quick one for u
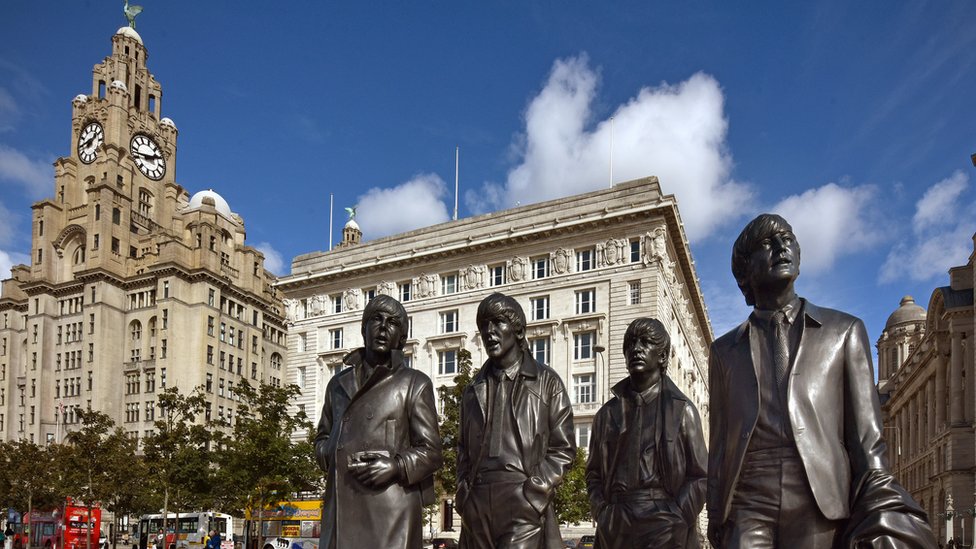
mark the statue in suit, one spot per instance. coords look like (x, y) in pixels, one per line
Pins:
(796, 453)
(378, 440)
(647, 463)
(516, 442)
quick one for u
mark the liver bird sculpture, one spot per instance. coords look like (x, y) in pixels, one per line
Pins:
(131, 12)
(352, 211)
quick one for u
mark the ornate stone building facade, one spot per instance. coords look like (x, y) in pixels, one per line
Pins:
(926, 383)
(134, 285)
(582, 267)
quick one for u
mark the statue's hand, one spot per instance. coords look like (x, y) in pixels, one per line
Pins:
(377, 472)
(715, 534)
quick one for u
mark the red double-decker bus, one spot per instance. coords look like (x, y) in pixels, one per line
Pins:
(63, 528)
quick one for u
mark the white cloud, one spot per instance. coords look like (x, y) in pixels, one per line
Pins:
(9, 111)
(830, 222)
(942, 231)
(408, 206)
(272, 258)
(676, 132)
(37, 176)
(8, 260)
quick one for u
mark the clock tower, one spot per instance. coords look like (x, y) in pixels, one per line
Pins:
(134, 285)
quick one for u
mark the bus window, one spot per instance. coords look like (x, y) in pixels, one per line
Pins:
(219, 524)
(48, 529)
(189, 525)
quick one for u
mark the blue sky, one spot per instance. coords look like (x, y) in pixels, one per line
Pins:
(853, 119)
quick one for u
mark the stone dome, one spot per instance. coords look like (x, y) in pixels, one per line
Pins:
(352, 225)
(131, 33)
(907, 312)
(167, 122)
(81, 97)
(208, 198)
(119, 84)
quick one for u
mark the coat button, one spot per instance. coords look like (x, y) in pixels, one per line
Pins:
(339, 447)
(369, 415)
(345, 417)
(365, 446)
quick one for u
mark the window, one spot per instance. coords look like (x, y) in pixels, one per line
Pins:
(585, 301)
(446, 362)
(91, 323)
(449, 322)
(136, 330)
(584, 260)
(582, 435)
(540, 308)
(210, 355)
(166, 289)
(209, 383)
(406, 362)
(165, 319)
(584, 389)
(210, 326)
(276, 361)
(95, 242)
(211, 298)
(540, 267)
(496, 275)
(254, 370)
(302, 342)
(635, 293)
(635, 250)
(337, 304)
(116, 245)
(220, 387)
(335, 336)
(230, 338)
(116, 216)
(254, 344)
(448, 284)
(301, 377)
(223, 331)
(151, 382)
(583, 345)
(369, 294)
(404, 292)
(40, 256)
(540, 349)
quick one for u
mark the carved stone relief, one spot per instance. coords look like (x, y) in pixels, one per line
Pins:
(387, 288)
(655, 246)
(291, 309)
(473, 277)
(424, 285)
(517, 269)
(611, 252)
(350, 299)
(561, 260)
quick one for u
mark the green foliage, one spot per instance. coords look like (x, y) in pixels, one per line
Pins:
(260, 464)
(572, 504)
(450, 426)
(28, 476)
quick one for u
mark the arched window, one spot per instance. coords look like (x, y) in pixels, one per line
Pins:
(152, 327)
(136, 329)
(145, 202)
(79, 256)
(276, 361)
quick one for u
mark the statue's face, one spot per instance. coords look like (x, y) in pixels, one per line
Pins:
(382, 332)
(500, 337)
(776, 259)
(644, 356)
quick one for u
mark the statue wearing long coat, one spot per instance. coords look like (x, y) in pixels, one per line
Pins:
(393, 413)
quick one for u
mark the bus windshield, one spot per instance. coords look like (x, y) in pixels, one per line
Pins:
(189, 525)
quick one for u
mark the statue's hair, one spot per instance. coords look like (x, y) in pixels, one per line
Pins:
(762, 227)
(392, 307)
(500, 305)
(655, 331)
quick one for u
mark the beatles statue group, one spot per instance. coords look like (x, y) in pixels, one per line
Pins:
(796, 457)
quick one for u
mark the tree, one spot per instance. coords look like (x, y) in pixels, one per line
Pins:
(91, 456)
(572, 504)
(177, 452)
(29, 478)
(450, 427)
(260, 464)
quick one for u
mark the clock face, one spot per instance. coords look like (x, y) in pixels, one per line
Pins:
(147, 155)
(90, 139)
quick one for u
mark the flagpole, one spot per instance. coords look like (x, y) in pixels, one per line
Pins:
(457, 158)
(330, 220)
(611, 152)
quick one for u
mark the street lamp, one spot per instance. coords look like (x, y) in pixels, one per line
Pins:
(948, 515)
(599, 374)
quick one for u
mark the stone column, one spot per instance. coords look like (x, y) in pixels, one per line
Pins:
(956, 385)
(940, 390)
(967, 364)
(912, 427)
(922, 431)
(930, 399)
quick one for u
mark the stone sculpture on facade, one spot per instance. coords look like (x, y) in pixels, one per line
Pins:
(378, 440)
(425, 285)
(516, 441)
(611, 252)
(647, 466)
(655, 246)
(350, 299)
(517, 268)
(472, 277)
(796, 453)
(561, 260)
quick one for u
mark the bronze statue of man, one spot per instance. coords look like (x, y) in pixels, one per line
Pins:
(796, 453)
(647, 466)
(378, 440)
(516, 441)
